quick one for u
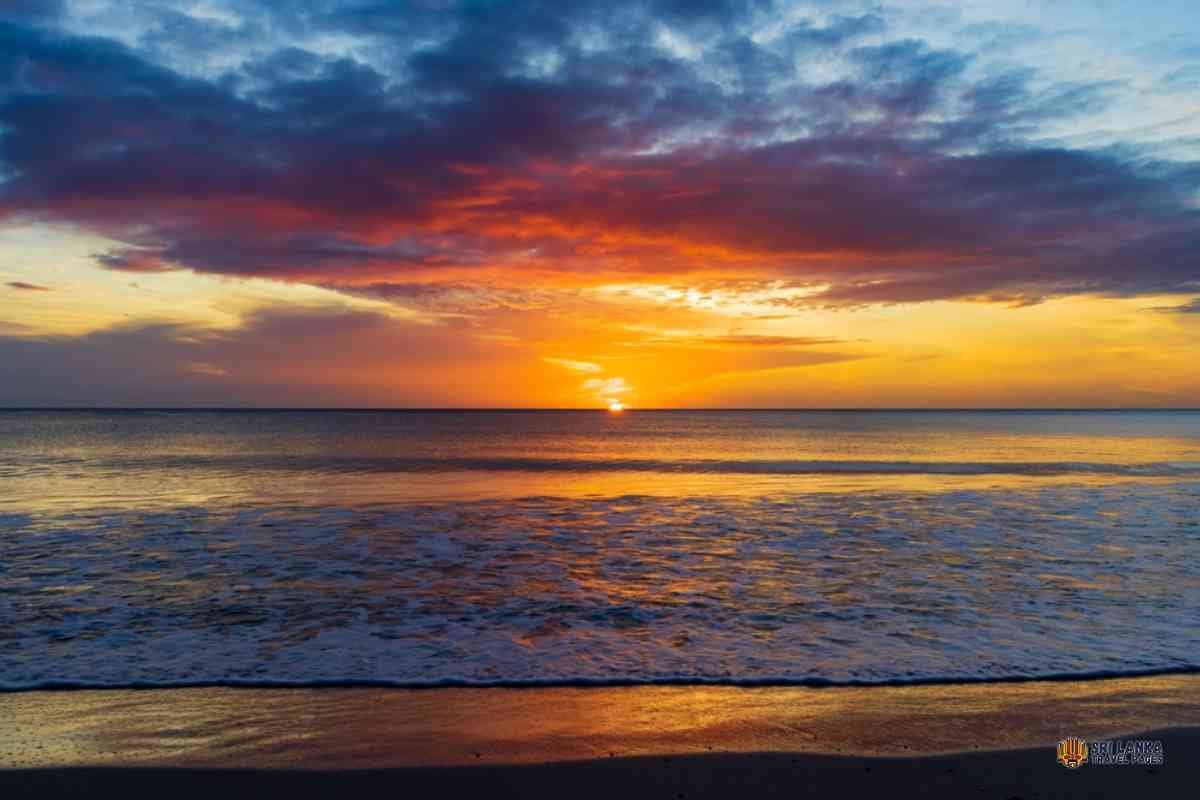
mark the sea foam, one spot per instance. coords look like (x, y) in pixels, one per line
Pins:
(874, 586)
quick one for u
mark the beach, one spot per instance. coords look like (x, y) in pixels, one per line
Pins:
(1009, 774)
(952, 740)
(640, 398)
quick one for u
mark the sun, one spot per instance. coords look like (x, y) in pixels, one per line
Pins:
(615, 406)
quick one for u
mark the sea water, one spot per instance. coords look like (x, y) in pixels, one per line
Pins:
(540, 547)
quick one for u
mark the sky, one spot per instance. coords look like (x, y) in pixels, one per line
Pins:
(535, 203)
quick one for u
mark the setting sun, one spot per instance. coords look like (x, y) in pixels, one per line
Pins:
(615, 406)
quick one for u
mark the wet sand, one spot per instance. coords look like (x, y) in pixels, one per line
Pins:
(983, 740)
(1009, 774)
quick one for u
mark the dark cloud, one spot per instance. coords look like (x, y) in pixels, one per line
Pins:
(134, 260)
(906, 77)
(313, 255)
(278, 357)
(27, 287)
(1186, 308)
(585, 137)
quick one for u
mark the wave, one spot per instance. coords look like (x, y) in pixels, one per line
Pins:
(808, 681)
(1061, 580)
(384, 464)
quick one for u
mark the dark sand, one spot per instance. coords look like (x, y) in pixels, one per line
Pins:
(1010, 774)
(952, 741)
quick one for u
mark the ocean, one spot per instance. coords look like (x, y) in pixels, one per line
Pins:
(434, 548)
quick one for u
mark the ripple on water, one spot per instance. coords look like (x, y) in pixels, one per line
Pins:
(879, 586)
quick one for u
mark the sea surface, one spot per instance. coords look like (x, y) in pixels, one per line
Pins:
(511, 548)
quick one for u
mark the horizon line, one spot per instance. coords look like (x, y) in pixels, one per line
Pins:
(605, 410)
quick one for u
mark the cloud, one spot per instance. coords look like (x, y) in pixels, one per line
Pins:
(276, 357)
(742, 340)
(1192, 307)
(605, 388)
(576, 366)
(337, 357)
(130, 259)
(27, 287)
(1186, 77)
(211, 370)
(354, 145)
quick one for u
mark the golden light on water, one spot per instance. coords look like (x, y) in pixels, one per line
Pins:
(373, 728)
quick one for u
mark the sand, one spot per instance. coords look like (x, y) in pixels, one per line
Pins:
(983, 740)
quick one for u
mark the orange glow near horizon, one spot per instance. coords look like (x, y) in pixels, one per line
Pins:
(672, 341)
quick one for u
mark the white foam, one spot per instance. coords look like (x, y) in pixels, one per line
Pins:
(876, 586)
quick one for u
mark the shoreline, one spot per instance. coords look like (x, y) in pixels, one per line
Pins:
(940, 741)
(600, 683)
(385, 728)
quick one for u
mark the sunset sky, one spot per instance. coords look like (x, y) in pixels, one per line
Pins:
(666, 203)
